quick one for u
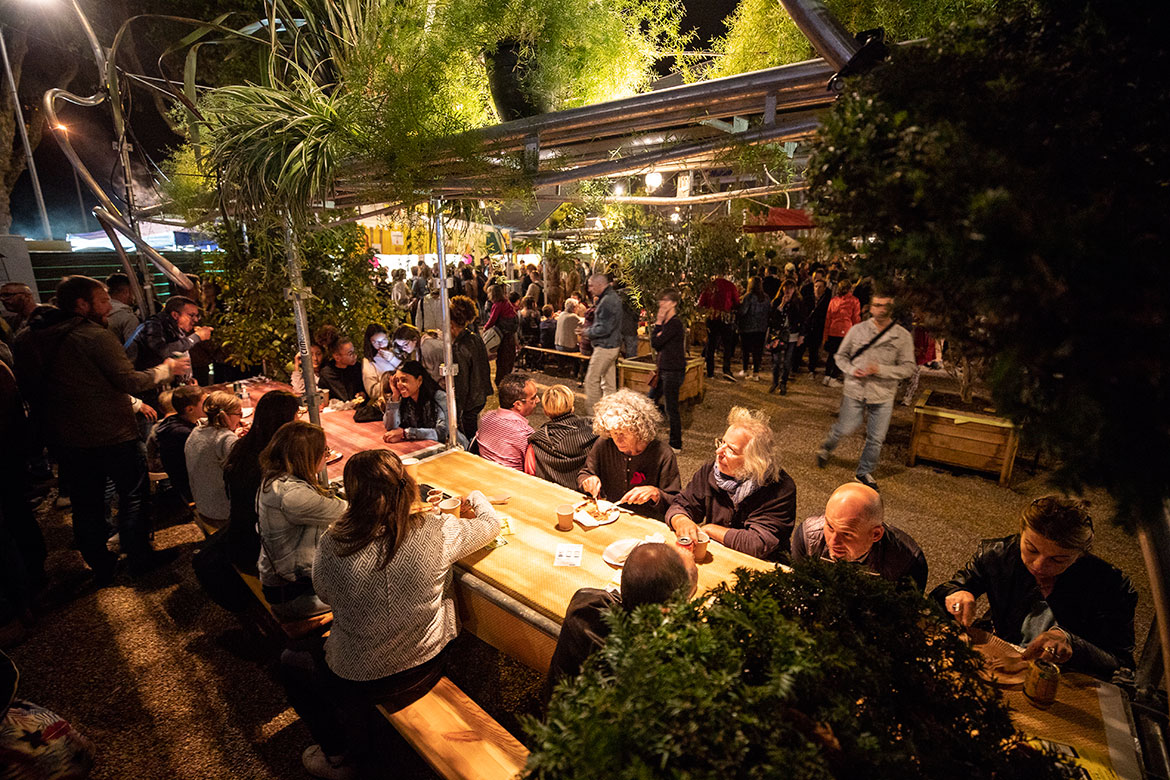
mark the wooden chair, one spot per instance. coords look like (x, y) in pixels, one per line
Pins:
(457, 738)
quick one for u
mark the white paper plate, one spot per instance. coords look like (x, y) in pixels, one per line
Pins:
(616, 553)
(586, 520)
(247, 412)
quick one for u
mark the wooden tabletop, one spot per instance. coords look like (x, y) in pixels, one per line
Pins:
(341, 432)
(524, 567)
(1088, 714)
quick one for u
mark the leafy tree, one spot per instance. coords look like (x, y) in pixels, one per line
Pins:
(1013, 177)
(761, 34)
(254, 322)
(825, 672)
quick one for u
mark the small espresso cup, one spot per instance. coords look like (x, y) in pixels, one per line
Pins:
(565, 517)
(450, 506)
(434, 496)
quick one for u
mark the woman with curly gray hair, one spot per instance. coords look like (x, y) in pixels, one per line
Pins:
(629, 464)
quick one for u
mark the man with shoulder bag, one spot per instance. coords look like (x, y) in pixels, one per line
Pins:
(875, 355)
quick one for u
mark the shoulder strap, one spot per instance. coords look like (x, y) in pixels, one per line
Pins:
(872, 341)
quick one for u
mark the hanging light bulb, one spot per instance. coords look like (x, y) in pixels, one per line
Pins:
(653, 180)
(619, 189)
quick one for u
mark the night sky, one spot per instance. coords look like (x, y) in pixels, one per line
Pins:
(93, 134)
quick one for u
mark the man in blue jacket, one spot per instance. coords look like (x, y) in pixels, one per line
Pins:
(606, 336)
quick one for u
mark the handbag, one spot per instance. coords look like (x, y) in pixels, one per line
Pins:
(368, 412)
(652, 382)
(491, 338)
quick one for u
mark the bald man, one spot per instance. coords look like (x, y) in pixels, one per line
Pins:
(18, 303)
(853, 529)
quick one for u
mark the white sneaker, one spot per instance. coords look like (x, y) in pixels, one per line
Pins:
(756, 377)
(320, 765)
(826, 381)
(741, 374)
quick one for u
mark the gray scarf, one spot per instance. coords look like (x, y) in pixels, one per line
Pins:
(737, 489)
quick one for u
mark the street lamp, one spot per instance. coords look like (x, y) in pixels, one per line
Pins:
(32, 167)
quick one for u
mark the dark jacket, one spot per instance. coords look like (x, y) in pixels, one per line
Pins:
(242, 483)
(1092, 600)
(83, 382)
(814, 323)
(608, 318)
(785, 320)
(670, 340)
(171, 434)
(156, 339)
(618, 472)
(559, 448)
(895, 556)
(342, 383)
(582, 633)
(761, 525)
(473, 383)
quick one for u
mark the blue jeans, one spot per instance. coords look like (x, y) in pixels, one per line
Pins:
(849, 419)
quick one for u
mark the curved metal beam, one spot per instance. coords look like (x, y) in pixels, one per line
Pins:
(832, 41)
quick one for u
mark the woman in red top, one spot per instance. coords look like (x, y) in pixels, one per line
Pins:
(844, 312)
(503, 316)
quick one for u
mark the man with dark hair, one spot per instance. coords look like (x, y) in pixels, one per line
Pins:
(172, 330)
(123, 319)
(772, 282)
(653, 574)
(340, 373)
(503, 433)
(853, 529)
(83, 379)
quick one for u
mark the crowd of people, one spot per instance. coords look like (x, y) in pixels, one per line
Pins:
(103, 405)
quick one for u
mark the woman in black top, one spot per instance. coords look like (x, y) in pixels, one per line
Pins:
(241, 476)
(785, 333)
(669, 340)
(1046, 590)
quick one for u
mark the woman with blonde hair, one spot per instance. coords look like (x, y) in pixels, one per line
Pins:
(557, 450)
(1047, 591)
(206, 451)
(743, 498)
(630, 464)
(294, 510)
(386, 570)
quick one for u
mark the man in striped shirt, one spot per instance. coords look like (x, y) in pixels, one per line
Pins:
(503, 433)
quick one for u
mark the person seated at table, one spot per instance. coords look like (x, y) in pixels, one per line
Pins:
(294, 510)
(557, 450)
(386, 571)
(169, 435)
(415, 406)
(431, 353)
(1048, 592)
(340, 374)
(629, 464)
(653, 574)
(377, 359)
(746, 500)
(548, 328)
(503, 433)
(297, 378)
(853, 529)
(241, 476)
(206, 450)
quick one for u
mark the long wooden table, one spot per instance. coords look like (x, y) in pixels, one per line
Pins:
(523, 569)
(341, 432)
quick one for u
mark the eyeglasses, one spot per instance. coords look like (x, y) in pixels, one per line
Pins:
(720, 443)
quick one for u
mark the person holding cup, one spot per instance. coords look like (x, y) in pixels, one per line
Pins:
(744, 498)
(1047, 591)
(629, 464)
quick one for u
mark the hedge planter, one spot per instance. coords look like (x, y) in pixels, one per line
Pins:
(635, 374)
(970, 439)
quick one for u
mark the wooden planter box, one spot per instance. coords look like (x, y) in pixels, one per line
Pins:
(635, 374)
(971, 440)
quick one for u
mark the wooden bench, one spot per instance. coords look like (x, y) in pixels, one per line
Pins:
(456, 737)
(296, 629)
(556, 352)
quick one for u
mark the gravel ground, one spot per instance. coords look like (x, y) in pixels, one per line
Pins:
(170, 686)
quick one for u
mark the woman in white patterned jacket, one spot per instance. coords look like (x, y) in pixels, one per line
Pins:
(386, 571)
